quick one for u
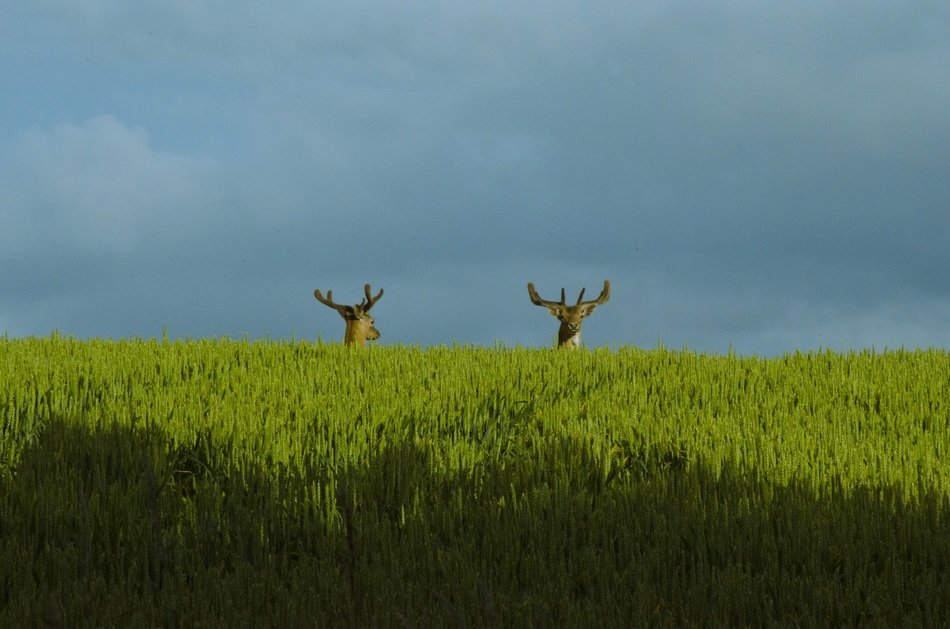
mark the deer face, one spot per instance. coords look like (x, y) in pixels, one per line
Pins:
(571, 316)
(361, 325)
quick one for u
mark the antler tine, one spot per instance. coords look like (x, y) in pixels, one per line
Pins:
(581, 296)
(563, 298)
(536, 298)
(370, 300)
(604, 295)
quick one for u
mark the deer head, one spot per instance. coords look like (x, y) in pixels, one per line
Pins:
(569, 334)
(359, 323)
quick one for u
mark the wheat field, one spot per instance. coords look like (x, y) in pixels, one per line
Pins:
(222, 482)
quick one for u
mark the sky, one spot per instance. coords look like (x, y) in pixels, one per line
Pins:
(751, 176)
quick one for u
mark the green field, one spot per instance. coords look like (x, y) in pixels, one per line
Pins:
(226, 483)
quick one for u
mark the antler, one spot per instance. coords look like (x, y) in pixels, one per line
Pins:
(368, 302)
(604, 296)
(349, 311)
(537, 301)
(328, 301)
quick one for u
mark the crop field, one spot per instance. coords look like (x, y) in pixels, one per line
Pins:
(235, 483)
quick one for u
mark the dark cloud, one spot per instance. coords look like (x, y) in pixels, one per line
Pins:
(761, 177)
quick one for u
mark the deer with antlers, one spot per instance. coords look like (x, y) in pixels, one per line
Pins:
(569, 334)
(359, 324)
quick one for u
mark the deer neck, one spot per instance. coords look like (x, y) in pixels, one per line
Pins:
(568, 338)
(355, 333)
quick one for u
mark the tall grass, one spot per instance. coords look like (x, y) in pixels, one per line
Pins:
(222, 483)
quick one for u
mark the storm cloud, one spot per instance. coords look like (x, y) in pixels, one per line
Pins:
(760, 177)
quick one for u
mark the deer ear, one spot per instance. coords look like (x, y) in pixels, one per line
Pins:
(555, 311)
(587, 310)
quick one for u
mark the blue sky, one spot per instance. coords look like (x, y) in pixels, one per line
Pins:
(761, 176)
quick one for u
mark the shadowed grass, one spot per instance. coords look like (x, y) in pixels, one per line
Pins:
(127, 528)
